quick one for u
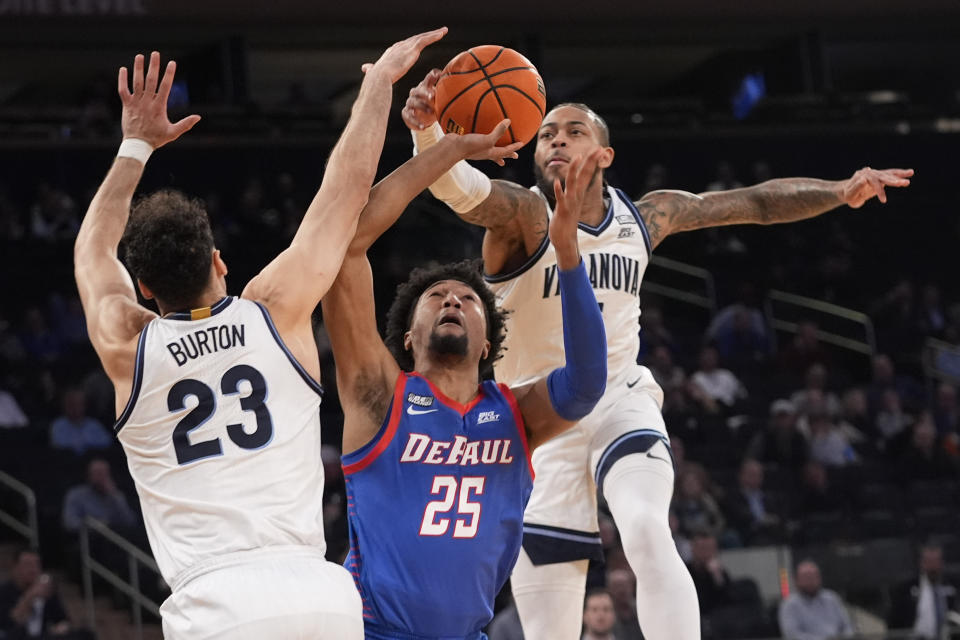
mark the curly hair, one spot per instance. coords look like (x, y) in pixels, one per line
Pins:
(404, 304)
(168, 245)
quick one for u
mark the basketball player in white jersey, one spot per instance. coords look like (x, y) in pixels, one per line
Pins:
(218, 397)
(622, 447)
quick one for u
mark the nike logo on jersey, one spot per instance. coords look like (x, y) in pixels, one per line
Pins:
(650, 455)
(631, 385)
(419, 412)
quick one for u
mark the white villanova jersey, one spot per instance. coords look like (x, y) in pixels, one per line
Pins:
(222, 435)
(615, 254)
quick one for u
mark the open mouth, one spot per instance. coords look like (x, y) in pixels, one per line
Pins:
(450, 318)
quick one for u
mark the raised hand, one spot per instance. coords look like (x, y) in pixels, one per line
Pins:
(483, 146)
(867, 183)
(398, 59)
(566, 215)
(419, 112)
(145, 108)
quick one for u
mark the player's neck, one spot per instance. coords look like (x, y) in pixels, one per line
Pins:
(595, 204)
(208, 298)
(459, 383)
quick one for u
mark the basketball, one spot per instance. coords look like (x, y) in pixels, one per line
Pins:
(485, 84)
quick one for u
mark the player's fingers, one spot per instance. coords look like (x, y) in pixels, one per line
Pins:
(138, 74)
(153, 73)
(418, 104)
(877, 189)
(432, 78)
(893, 180)
(557, 190)
(184, 125)
(422, 40)
(498, 130)
(123, 85)
(167, 81)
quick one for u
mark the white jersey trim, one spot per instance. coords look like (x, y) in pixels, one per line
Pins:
(636, 214)
(311, 382)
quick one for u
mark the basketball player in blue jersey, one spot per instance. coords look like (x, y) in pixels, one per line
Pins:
(436, 458)
(622, 446)
(218, 397)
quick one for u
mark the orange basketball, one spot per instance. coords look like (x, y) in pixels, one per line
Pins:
(483, 85)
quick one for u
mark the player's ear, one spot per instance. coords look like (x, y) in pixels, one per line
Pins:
(486, 350)
(606, 158)
(144, 290)
(407, 341)
(218, 264)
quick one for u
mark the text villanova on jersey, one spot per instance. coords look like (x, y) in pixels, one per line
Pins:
(607, 271)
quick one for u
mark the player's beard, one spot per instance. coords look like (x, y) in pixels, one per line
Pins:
(448, 344)
(546, 186)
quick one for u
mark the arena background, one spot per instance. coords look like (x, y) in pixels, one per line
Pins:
(698, 96)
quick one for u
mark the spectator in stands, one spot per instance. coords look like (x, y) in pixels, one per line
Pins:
(751, 510)
(812, 612)
(815, 392)
(946, 411)
(709, 576)
(99, 498)
(817, 492)
(696, 509)
(53, 215)
(828, 444)
(885, 378)
(781, 443)
(39, 342)
(75, 431)
(924, 458)
(70, 323)
(891, 423)
(718, 384)
(598, 616)
(11, 415)
(669, 376)
(931, 319)
(622, 585)
(613, 555)
(855, 412)
(923, 603)
(804, 350)
(655, 332)
(740, 335)
(29, 604)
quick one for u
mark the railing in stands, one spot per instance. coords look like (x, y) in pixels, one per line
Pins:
(28, 529)
(130, 587)
(701, 291)
(786, 311)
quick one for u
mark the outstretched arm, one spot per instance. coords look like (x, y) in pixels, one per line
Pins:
(366, 371)
(114, 318)
(515, 217)
(553, 404)
(292, 285)
(771, 202)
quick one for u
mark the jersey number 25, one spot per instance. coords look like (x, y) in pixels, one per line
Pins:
(466, 510)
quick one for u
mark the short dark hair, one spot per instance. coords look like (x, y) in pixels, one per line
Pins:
(401, 310)
(597, 120)
(597, 591)
(168, 245)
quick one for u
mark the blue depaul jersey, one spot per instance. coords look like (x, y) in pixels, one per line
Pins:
(435, 504)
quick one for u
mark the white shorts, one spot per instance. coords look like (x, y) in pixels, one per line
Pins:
(562, 512)
(282, 593)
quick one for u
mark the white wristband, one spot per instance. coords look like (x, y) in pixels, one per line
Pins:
(135, 148)
(463, 187)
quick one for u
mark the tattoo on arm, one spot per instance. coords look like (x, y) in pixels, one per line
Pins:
(507, 202)
(771, 202)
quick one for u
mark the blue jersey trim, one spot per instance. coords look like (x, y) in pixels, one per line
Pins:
(600, 228)
(215, 308)
(638, 441)
(546, 544)
(137, 382)
(313, 384)
(636, 214)
(532, 260)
